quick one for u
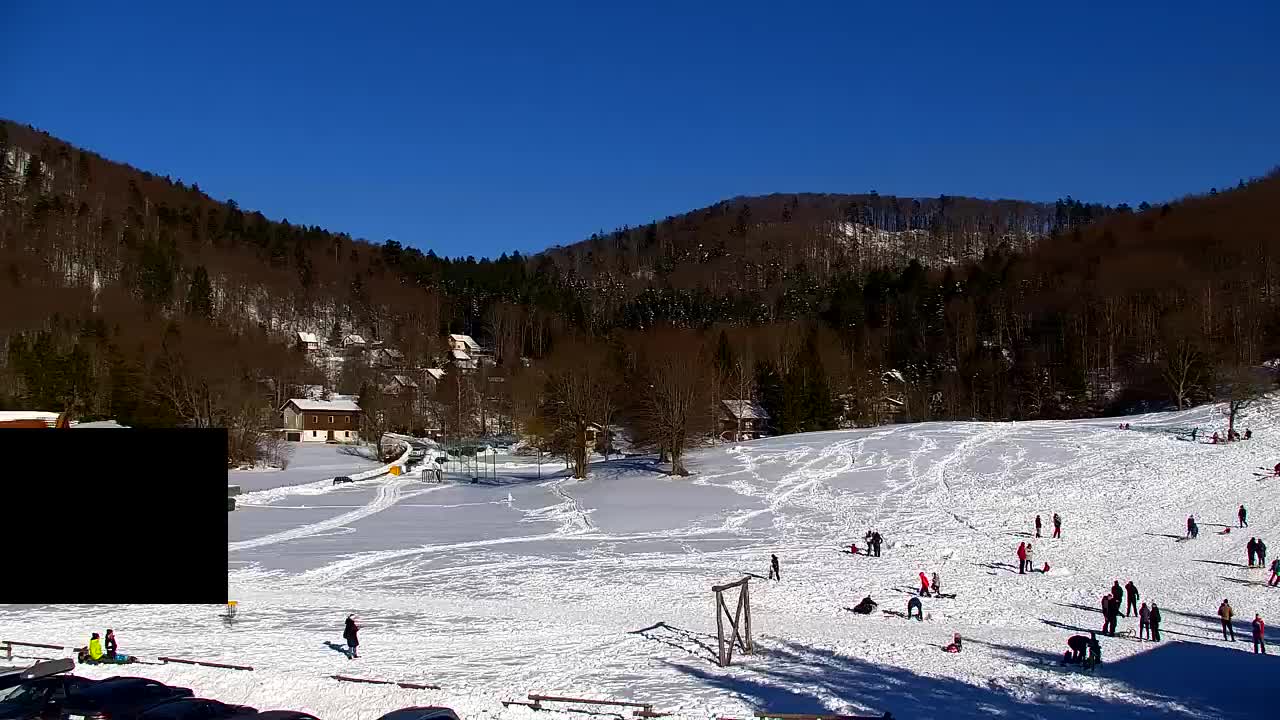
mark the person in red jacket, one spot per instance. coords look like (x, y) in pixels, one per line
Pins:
(924, 583)
(1022, 558)
(1259, 635)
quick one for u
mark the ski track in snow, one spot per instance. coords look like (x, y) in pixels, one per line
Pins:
(549, 593)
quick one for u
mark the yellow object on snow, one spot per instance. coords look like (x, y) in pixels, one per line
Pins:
(395, 469)
(95, 649)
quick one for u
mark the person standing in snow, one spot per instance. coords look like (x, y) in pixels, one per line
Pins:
(875, 541)
(774, 573)
(918, 606)
(1095, 652)
(1252, 547)
(1037, 526)
(1259, 635)
(1248, 433)
(1275, 573)
(1030, 566)
(1057, 526)
(1241, 514)
(1155, 623)
(1226, 613)
(1022, 558)
(1261, 549)
(937, 585)
(1117, 592)
(1144, 622)
(350, 633)
(1131, 593)
(924, 584)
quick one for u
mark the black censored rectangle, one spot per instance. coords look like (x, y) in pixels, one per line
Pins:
(109, 515)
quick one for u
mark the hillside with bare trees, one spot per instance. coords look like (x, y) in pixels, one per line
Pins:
(139, 297)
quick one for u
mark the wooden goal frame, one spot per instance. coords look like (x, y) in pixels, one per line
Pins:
(739, 621)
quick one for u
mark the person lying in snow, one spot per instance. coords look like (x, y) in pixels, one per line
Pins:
(866, 607)
(954, 647)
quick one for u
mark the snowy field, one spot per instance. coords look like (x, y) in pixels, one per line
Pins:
(601, 588)
(311, 462)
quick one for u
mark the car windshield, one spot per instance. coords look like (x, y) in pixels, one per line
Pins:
(20, 693)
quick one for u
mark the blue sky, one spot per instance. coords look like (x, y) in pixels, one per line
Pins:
(474, 128)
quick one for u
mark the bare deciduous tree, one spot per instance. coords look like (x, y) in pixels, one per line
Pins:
(672, 390)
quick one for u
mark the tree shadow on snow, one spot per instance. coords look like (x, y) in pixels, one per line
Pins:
(794, 678)
(1176, 538)
(1220, 562)
(999, 566)
(1078, 606)
(340, 648)
(1242, 581)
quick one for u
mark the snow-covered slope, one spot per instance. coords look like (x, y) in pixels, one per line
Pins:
(601, 588)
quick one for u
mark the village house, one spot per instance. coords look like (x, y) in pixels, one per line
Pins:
(387, 358)
(742, 420)
(465, 343)
(431, 378)
(308, 342)
(462, 361)
(321, 420)
(399, 385)
(354, 343)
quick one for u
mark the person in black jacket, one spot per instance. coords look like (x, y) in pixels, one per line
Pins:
(350, 634)
(1037, 526)
(1242, 514)
(110, 645)
(1252, 548)
(1117, 592)
(915, 604)
(875, 542)
(1078, 644)
(1131, 593)
(1155, 623)
(1261, 549)
(774, 573)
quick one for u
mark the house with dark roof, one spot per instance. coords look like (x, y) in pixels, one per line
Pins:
(742, 420)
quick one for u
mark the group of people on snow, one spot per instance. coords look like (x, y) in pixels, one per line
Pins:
(1026, 556)
(1226, 613)
(1232, 436)
(100, 651)
(1257, 552)
(1084, 651)
(1057, 526)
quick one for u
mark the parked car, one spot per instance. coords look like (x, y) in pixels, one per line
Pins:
(38, 692)
(275, 715)
(120, 698)
(342, 479)
(195, 709)
(421, 713)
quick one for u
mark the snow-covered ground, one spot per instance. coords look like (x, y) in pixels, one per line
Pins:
(601, 588)
(311, 462)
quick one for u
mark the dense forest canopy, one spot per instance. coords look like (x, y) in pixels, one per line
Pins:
(140, 297)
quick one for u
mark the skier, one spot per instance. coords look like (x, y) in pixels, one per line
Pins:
(349, 633)
(1252, 547)
(1022, 558)
(1275, 573)
(1037, 526)
(1155, 623)
(937, 585)
(918, 606)
(924, 584)
(1030, 566)
(111, 644)
(1057, 526)
(774, 574)
(1226, 613)
(1259, 635)
(1078, 644)
(1241, 514)
(1131, 592)
(1144, 622)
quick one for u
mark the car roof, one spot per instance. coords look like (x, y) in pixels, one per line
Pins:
(419, 713)
(272, 715)
(159, 710)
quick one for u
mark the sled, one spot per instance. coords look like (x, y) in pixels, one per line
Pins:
(1225, 531)
(104, 660)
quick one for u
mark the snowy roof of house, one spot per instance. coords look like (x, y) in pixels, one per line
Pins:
(307, 405)
(10, 415)
(459, 355)
(307, 337)
(404, 380)
(436, 373)
(745, 410)
(353, 340)
(465, 340)
(394, 353)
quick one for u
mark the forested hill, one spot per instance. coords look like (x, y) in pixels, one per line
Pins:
(117, 277)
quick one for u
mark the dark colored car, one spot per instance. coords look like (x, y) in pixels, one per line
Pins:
(195, 709)
(275, 715)
(120, 698)
(38, 692)
(421, 713)
(342, 479)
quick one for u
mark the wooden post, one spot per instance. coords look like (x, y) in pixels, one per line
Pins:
(720, 632)
(739, 621)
